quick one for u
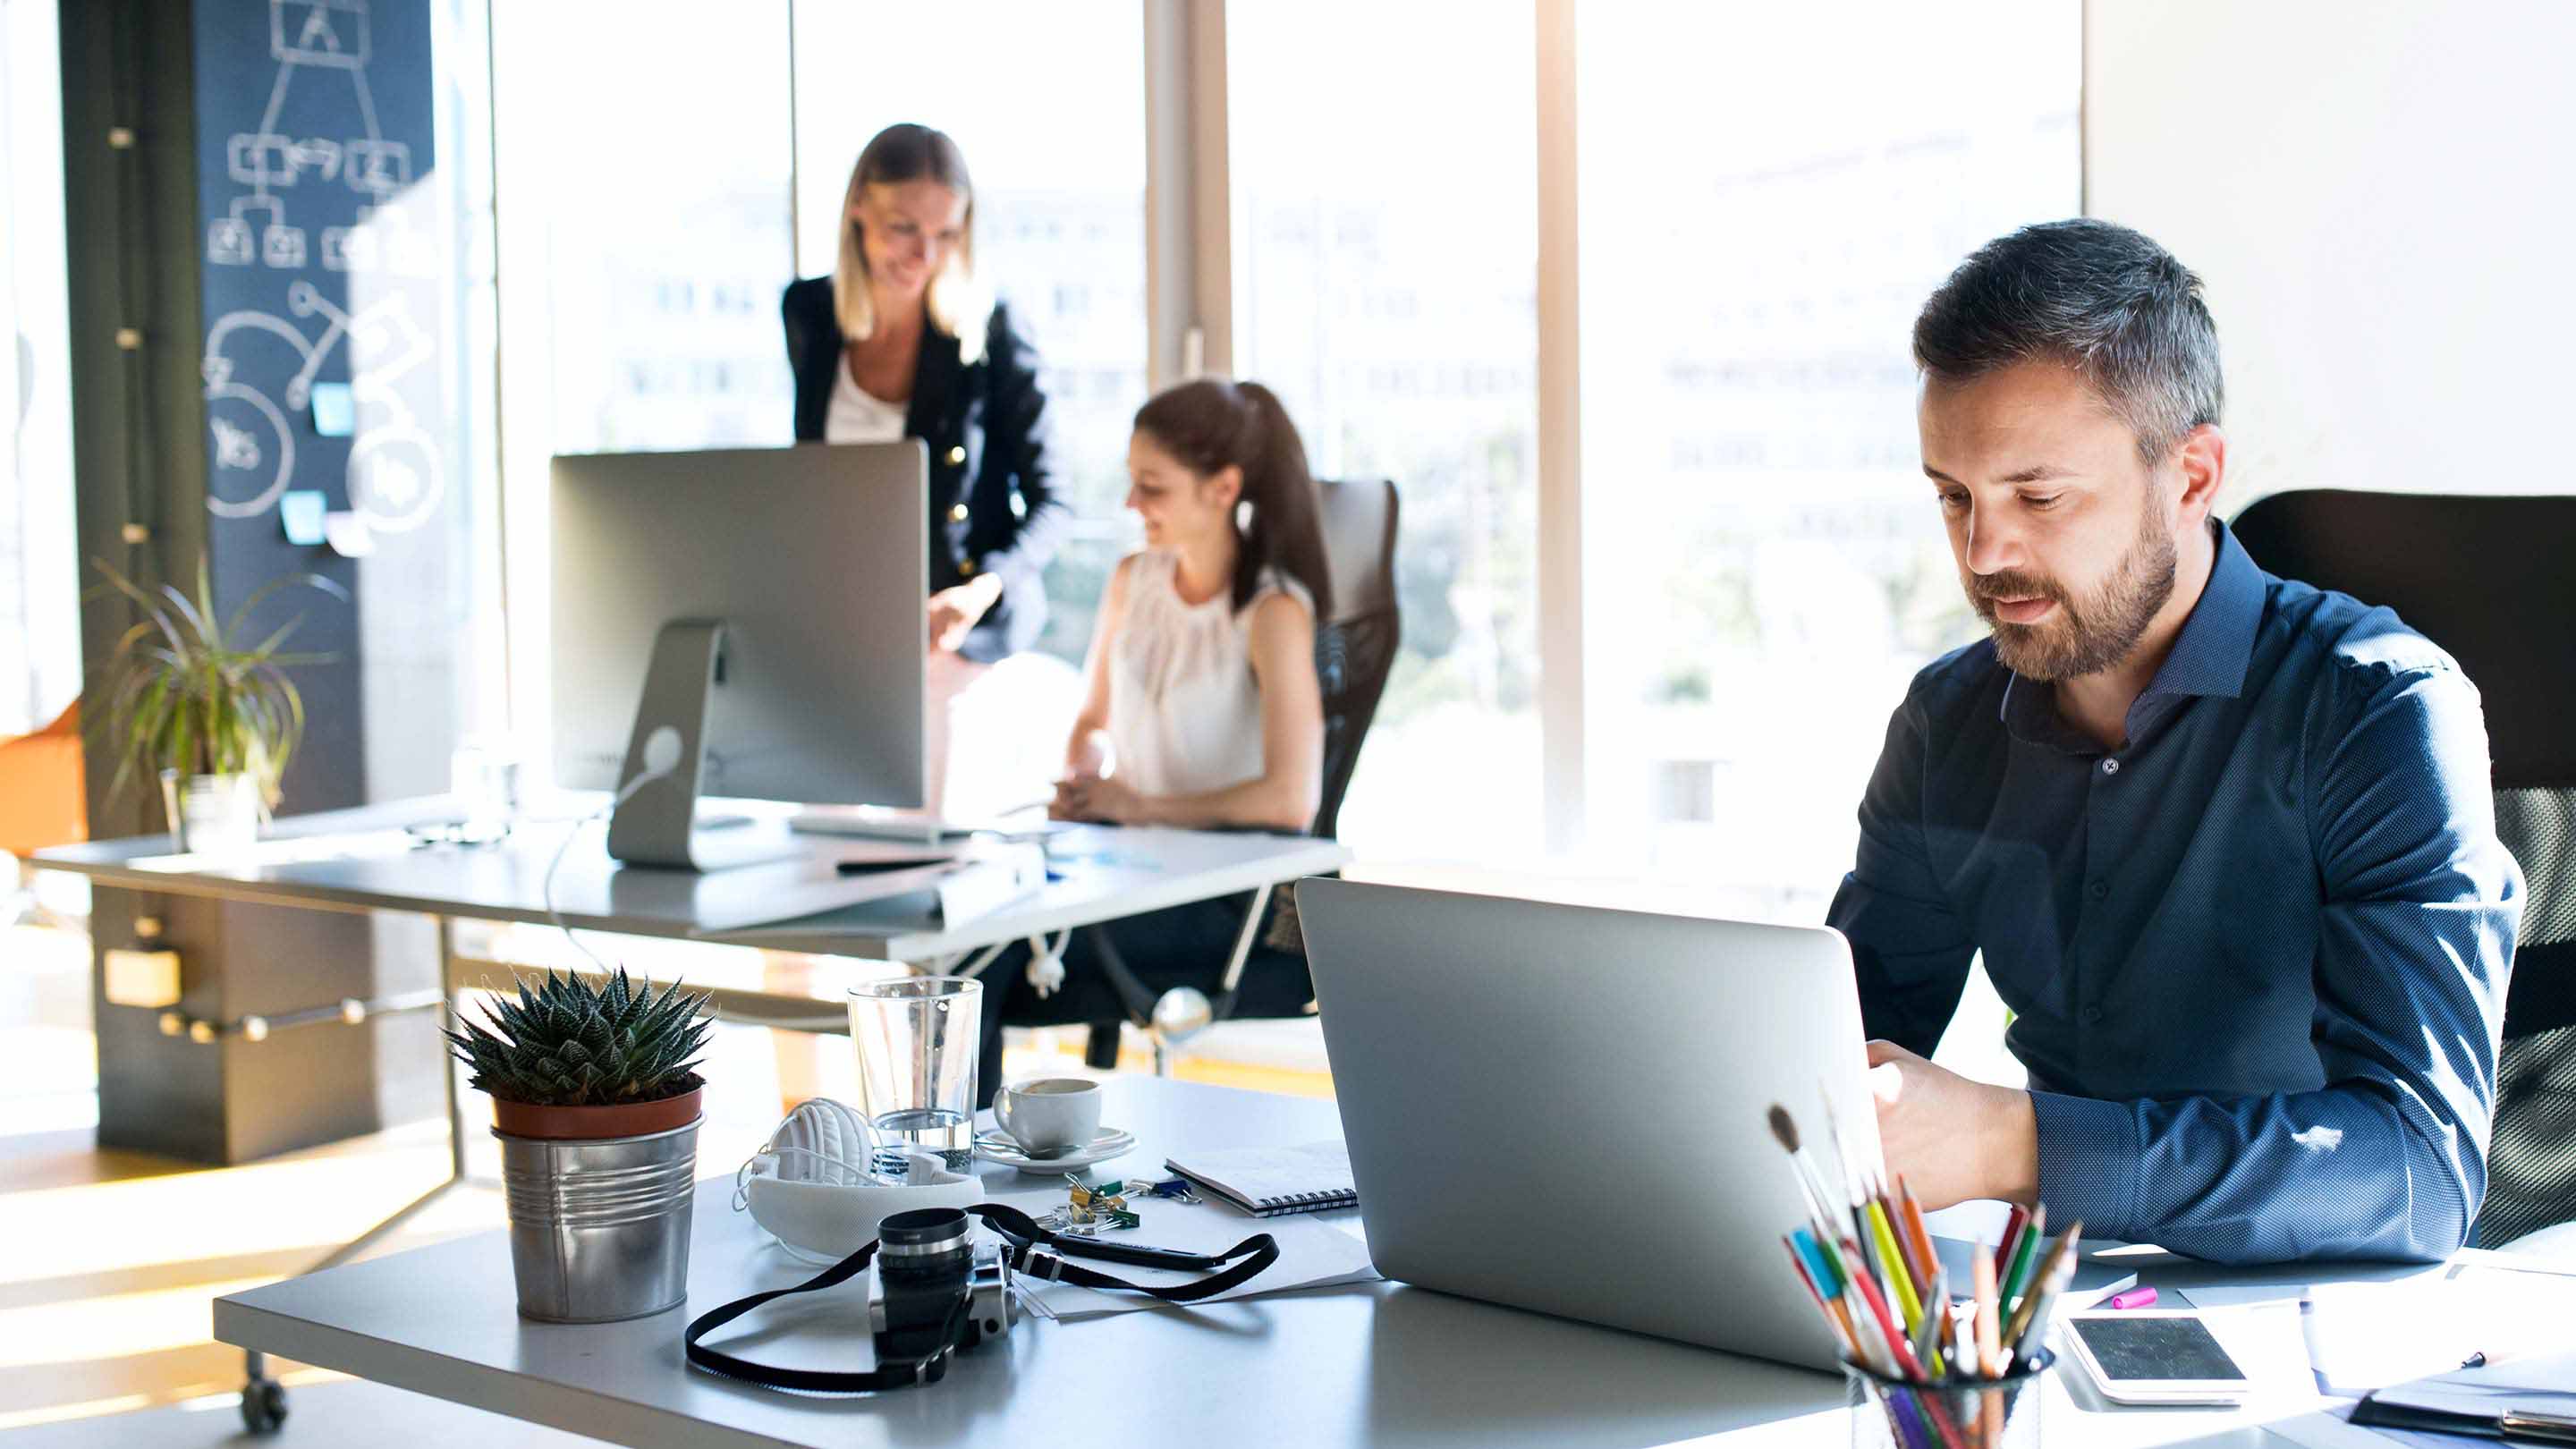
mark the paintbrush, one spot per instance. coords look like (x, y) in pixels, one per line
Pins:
(1812, 1186)
(1856, 1182)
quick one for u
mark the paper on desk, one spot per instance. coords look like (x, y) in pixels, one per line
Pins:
(1311, 1255)
(2364, 1336)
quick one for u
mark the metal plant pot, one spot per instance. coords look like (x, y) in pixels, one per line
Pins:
(212, 814)
(599, 1225)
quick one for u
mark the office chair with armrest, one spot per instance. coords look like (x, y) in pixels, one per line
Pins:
(1354, 653)
(2489, 580)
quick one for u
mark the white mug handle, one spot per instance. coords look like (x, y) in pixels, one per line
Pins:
(1002, 1112)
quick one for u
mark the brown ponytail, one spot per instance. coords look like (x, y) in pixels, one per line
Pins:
(1209, 425)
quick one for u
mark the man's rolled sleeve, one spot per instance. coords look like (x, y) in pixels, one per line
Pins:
(2089, 1153)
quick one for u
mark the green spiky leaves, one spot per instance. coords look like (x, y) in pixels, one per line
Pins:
(185, 688)
(567, 1043)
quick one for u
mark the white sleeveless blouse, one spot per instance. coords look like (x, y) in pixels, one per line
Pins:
(1184, 709)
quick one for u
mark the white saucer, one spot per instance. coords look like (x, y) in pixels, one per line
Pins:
(996, 1146)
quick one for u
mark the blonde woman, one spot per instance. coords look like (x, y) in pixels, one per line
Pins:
(902, 341)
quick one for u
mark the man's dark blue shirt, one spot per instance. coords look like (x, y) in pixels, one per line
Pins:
(2256, 955)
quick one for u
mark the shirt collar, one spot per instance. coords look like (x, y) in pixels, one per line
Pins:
(2217, 642)
(2209, 656)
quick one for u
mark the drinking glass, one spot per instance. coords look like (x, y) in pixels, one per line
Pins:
(918, 1040)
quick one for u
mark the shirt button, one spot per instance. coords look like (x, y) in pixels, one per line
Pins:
(958, 513)
(966, 568)
(2098, 889)
(2092, 1014)
(957, 454)
(2110, 767)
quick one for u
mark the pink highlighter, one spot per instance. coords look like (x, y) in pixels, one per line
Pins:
(2132, 1298)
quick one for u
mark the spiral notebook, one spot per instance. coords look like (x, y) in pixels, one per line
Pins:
(1269, 1181)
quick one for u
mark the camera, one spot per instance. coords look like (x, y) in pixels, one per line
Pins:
(940, 1291)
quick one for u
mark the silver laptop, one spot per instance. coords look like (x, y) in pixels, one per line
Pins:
(1564, 1109)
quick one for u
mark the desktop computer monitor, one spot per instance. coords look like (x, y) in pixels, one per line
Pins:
(746, 623)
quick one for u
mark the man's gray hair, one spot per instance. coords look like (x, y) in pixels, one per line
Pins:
(2101, 298)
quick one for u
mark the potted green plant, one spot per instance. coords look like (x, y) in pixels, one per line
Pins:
(213, 719)
(595, 1097)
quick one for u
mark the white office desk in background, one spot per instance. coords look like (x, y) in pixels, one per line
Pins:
(1106, 873)
(360, 860)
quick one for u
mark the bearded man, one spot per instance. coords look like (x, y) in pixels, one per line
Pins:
(2225, 840)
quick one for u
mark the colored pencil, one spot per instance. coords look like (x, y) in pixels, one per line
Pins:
(2060, 1254)
(1920, 1234)
(1835, 1323)
(1988, 1334)
(2011, 1239)
(1900, 1284)
(2031, 1233)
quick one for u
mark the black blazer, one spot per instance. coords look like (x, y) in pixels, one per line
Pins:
(993, 507)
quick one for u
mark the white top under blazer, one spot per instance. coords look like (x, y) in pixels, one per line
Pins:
(857, 415)
(1184, 708)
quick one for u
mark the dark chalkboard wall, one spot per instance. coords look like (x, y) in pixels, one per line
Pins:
(325, 256)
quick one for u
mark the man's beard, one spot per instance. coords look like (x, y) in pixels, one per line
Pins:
(2090, 637)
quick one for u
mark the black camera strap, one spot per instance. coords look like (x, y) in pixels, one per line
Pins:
(1033, 1252)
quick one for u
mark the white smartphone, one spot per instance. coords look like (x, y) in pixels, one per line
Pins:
(2155, 1356)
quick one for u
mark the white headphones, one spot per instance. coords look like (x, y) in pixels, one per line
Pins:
(811, 1185)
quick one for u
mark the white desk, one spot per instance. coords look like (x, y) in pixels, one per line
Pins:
(1106, 873)
(1378, 1364)
(1099, 874)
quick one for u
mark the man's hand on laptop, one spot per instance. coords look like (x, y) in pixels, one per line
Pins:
(1951, 1139)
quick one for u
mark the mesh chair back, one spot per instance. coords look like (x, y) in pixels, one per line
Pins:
(1355, 649)
(2488, 580)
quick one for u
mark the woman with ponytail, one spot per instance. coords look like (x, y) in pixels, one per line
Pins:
(1202, 708)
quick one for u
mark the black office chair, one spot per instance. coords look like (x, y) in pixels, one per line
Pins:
(1354, 652)
(2492, 581)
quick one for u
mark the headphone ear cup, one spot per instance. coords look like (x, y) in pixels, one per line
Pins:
(823, 1141)
(847, 1134)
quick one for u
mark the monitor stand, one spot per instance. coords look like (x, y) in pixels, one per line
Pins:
(658, 824)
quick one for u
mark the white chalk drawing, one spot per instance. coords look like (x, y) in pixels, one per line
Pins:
(308, 35)
(394, 475)
(234, 447)
(232, 407)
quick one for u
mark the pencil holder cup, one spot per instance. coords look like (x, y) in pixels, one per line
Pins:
(1956, 1413)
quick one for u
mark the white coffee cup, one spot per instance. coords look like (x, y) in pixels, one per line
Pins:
(1052, 1112)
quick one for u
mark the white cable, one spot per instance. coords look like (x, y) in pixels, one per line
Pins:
(661, 757)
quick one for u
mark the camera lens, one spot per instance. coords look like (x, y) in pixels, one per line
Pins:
(923, 1259)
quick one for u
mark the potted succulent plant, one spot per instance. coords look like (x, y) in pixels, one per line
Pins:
(212, 718)
(595, 1099)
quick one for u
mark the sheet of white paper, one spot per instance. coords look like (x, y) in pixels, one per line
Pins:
(2449, 1314)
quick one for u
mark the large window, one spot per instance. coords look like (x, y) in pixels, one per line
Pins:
(1385, 260)
(1762, 205)
(1047, 100)
(39, 635)
(644, 242)
(1766, 201)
